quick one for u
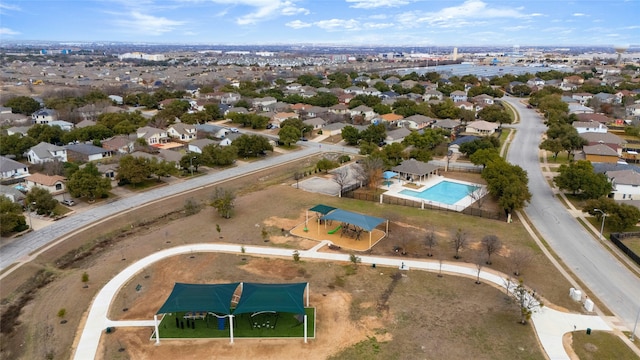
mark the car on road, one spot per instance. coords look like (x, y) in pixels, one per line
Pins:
(68, 202)
(304, 139)
(234, 130)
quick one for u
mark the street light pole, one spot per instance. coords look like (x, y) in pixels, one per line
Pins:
(635, 326)
(191, 165)
(604, 215)
(29, 213)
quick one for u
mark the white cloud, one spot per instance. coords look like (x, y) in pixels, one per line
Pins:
(9, 7)
(297, 24)
(264, 9)
(148, 24)
(372, 4)
(579, 14)
(377, 26)
(338, 24)
(7, 31)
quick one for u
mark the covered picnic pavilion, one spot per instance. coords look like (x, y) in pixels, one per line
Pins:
(202, 300)
(346, 233)
(414, 170)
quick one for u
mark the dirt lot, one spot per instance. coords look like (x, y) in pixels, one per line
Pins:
(352, 308)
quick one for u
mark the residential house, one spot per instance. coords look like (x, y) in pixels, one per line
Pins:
(86, 152)
(64, 125)
(280, 117)
(13, 194)
(590, 126)
(458, 96)
(121, 144)
(44, 116)
(196, 146)
(11, 169)
(575, 108)
(454, 146)
(239, 110)
(85, 123)
(613, 141)
(108, 170)
(600, 153)
(605, 98)
(397, 135)
(317, 123)
(447, 124)
(22, 130)
(45, 152)
(483, 99)
(481, 127)
(54, 184)
(465, 105)
(181, 131)
(535, 82)
(416, 122)
(333, 129)
(210, 130)
(633, 110)
(263, 103)
(391, 118)
(364, 111)
(626, 184)
(574, 79)
(118, 100)
(340, 109)
(229, 98)
(601, 118)
(582, 98)
(152, 135)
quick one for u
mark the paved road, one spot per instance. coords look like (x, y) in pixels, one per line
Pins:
(18, 250)
(549, 324)
(611, 282)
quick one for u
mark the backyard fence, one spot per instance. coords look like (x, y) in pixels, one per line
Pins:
(617, 238)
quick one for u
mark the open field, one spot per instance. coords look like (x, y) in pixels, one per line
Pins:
(268, 201)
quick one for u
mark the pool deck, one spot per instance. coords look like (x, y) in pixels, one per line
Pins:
(398, 185)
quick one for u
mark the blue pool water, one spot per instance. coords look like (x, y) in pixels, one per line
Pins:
(445, 192)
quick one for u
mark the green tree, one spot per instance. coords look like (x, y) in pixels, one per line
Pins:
(325, 165)
(351, 135)
(42, 201)
(289, 135)
(11, 218)
(620, 217)
(484, 156)
(134, 170)
(216, 155)
(16, 145)
(24, 105)
(495, 113)
(46, 133)
(508, 183)
(579, 177)
(88, 182)
(251, 145)
(223, 200)
(162, 168)
(490, 142)
(552, 145)
(375, 133)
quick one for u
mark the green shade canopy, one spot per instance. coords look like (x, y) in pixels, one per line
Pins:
(214, 298)
(285, 298)
(322, 209)
(363, 221)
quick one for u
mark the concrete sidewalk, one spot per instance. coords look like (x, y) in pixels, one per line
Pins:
(549, 324)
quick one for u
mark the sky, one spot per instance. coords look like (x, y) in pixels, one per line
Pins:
(329, 22)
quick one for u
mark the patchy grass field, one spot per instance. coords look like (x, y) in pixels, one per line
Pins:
(415, 315)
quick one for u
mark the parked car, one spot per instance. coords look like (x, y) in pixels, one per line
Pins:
(234, 130)
(68, 202)
(269, 126)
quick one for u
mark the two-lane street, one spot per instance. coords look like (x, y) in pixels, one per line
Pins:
(610, 281)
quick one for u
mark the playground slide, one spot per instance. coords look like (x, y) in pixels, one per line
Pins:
(334, 230)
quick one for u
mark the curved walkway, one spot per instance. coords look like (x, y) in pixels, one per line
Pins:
(550, 325)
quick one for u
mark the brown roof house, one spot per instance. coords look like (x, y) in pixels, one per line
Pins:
(52, 183)
(481, 127)
(600, 153)
(613, 141)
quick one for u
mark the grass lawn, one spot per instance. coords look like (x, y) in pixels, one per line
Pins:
(600, 345)
(265, 325)
(633, 244)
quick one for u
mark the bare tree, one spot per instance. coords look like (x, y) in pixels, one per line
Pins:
(458, 242)
(492, 245)
(440, 262)
(477, 195)
(371, 171)
(519, 259)
(297, 176)
(527, 301)
(341, 176)
(480, 260)
(430, 241)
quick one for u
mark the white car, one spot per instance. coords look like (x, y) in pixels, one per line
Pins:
(68, 202)
(234, 130)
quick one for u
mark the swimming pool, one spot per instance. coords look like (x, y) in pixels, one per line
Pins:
(446, 192)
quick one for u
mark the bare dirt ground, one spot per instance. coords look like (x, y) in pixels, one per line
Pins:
(351, 308)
